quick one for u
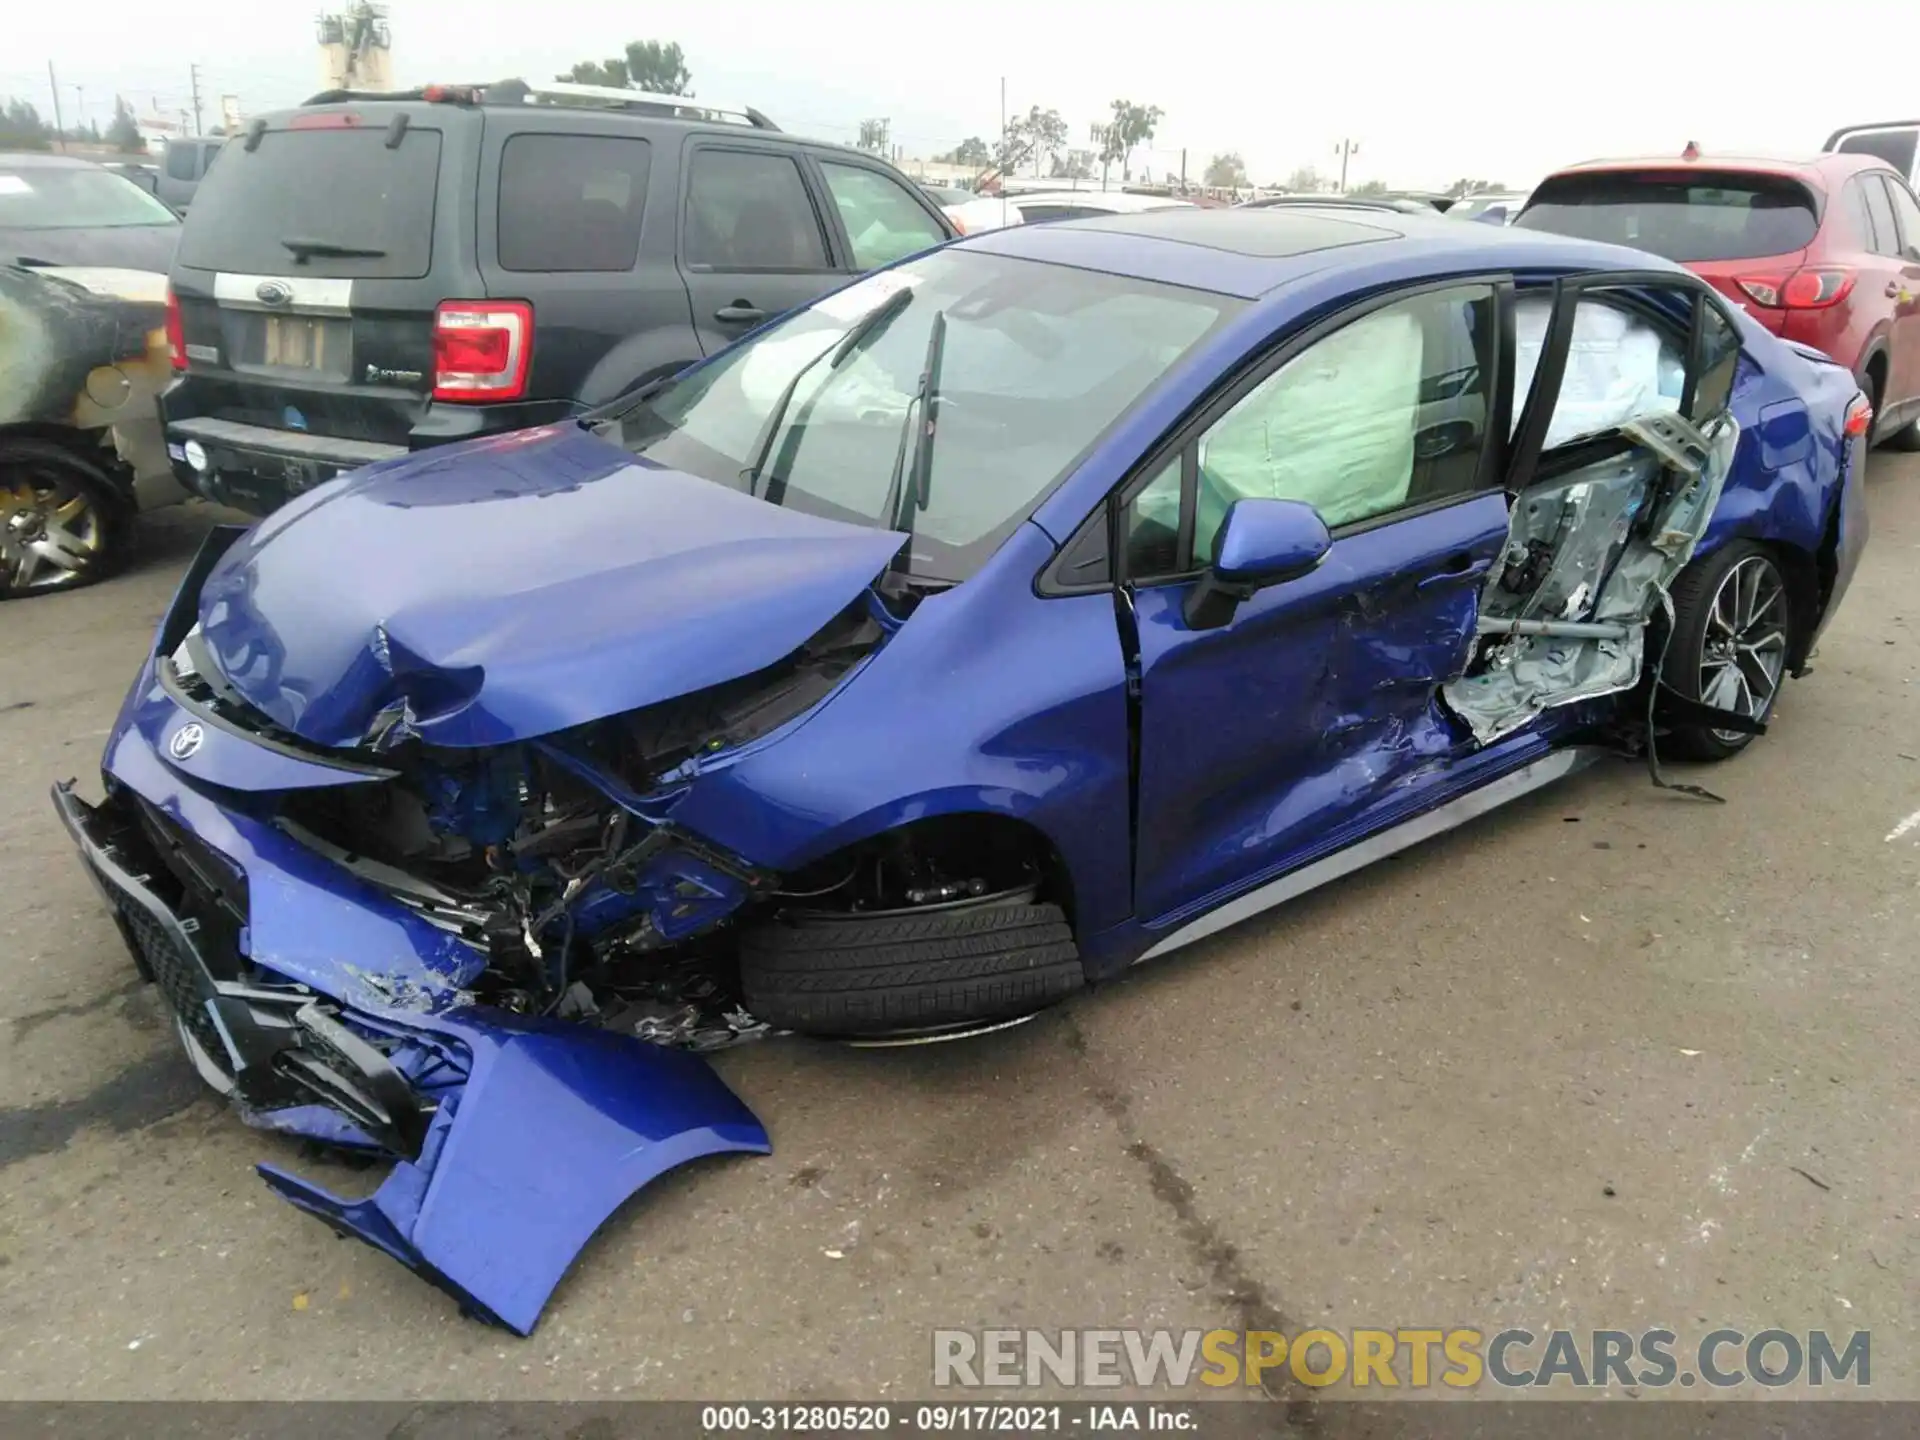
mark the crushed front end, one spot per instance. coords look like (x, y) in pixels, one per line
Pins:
(489, 965)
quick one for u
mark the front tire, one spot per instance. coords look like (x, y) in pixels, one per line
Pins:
(908, 971)
(1732, 633)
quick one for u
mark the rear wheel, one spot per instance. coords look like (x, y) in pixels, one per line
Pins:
(62, 523)
(1907, 437)
(1732, 632)
(911, 971)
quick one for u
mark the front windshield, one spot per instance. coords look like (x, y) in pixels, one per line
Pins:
(1037, 362)
(55, 197)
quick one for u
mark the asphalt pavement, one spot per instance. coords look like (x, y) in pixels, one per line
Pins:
(1612, 1057)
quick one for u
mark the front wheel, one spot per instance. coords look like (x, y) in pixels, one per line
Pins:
(62, 524)
(909, 971)
(1732, 633)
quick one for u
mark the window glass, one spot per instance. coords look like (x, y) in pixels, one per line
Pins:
(1618, 366)
(883, 221)
(1859, 219)
(1039, 214)
(1886, 235)
(347, 188)
(1153, 525)
(1896, 146)
(749, 210)
(1038, 361)
(54, 197)
(1729, 216)
(572, 202)
(180, 160)
(1907, 211)
(1388, 411)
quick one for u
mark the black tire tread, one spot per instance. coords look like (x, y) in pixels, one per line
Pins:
(858, 975)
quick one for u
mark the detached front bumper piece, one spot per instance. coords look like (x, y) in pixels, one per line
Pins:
(513, 1138)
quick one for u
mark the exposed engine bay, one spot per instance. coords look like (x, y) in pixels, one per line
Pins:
(559, 857)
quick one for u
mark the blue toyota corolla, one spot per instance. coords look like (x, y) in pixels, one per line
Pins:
(1010, 616)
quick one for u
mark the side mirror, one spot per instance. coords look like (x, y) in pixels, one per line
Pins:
(1260, 543)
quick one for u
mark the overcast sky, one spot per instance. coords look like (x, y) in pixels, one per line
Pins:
(1495, 89)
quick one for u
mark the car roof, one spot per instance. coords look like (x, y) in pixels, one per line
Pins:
(40, 160)
(1247, 253)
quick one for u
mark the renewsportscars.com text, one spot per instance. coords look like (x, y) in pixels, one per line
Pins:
(1407, 1358)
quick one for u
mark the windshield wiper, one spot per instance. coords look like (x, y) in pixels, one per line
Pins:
(911, 485)
(308, 249)
(867, 325)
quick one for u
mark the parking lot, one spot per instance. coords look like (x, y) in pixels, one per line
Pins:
(1613, 1057)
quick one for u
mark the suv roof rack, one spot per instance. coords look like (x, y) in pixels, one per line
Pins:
(561, 92)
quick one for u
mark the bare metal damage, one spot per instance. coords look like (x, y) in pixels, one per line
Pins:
(85, 348)
(1565, 615)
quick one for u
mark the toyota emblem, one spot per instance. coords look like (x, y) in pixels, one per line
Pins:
(185, 743)
(274, 292)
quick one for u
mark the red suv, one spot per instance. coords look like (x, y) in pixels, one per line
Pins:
(1823, 251)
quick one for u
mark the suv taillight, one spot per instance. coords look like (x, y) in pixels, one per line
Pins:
(481, 349)
(1814, 288)
(176, 335)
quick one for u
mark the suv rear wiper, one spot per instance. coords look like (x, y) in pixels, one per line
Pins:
(307, 249)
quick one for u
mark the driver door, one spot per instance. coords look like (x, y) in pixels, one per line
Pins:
(1263, 741)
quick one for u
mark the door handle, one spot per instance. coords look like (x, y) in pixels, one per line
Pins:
(739, 310)
(1460, 567)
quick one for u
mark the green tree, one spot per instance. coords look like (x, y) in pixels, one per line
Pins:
(123, 134)
(1227, 172)
(659, 67)
(21, 128)
(1045, 134)
(1306, 181)
(1132, 126)
(648, 65)
(1372, 187)
(970, 151)
(1462, 188)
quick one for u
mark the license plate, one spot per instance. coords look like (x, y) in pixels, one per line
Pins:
(296, 342)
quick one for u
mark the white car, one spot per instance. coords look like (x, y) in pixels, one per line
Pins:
(1033, 208)
(970, 213)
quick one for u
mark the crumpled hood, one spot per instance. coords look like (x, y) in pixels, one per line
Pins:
(514, 586)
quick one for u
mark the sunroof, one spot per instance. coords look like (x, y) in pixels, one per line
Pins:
(1269, 234)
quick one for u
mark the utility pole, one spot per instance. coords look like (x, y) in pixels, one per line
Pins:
(80, 107)
(194, 72)
(1183, 169)
(57, 125)
(1346, 150)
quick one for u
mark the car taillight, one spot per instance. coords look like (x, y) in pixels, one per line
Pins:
(1859, 416)
(1814, 288)
(176, 334)
(481, 349)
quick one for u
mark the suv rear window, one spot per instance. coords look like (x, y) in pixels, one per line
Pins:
(571, 202)
(343, 187)
(1695, 217)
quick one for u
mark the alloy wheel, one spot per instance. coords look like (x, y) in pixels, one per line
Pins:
(51, 532)
(1744, 653)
